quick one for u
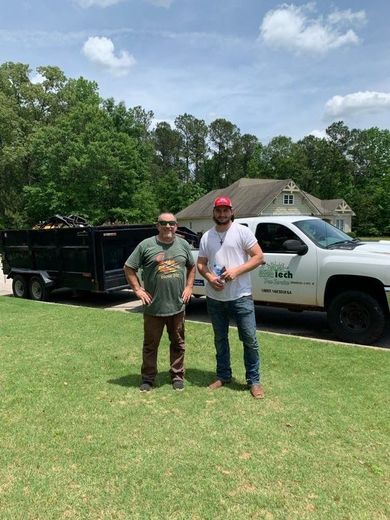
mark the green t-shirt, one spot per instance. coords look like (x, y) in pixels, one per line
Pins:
(164, 273)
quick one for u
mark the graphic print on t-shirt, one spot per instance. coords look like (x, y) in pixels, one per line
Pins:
(167, 267)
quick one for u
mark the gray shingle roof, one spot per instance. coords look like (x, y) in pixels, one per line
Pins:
(327, 206)
(249, 197)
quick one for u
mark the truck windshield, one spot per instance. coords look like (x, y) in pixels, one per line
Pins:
(323, 234)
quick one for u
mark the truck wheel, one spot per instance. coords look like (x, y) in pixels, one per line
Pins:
(38, 289)
(356, 317)
(19, 286)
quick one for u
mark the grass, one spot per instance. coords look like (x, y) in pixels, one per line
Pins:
(79, 441)
(374, 239)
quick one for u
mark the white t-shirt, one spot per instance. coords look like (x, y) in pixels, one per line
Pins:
(231, 253)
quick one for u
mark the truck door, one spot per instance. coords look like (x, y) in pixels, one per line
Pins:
(286, 277)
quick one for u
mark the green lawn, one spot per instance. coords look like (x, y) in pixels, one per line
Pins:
(374, 239)
(79, 441)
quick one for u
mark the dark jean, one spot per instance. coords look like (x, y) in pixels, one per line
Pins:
(153, 329)
(243, 312)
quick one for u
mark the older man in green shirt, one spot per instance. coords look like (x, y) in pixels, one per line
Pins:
(168, 275)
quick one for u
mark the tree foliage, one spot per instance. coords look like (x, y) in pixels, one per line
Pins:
(64, 149)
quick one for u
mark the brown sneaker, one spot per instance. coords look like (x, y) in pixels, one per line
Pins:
(257, 391)
(217, 384)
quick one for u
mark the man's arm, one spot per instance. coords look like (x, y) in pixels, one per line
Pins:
(189, 283)
(133, 281)
(256, 258)
(212, 278)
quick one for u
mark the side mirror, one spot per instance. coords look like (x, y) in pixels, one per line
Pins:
(295, 246)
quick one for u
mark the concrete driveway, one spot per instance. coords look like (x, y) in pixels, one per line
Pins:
(119, 301)
(5, 285)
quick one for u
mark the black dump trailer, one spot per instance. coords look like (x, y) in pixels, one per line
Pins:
(79, 258)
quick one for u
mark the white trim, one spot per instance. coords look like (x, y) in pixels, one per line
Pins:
(288, 199)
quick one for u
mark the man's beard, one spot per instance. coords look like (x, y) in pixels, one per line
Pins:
(168, 236)
(223, 221)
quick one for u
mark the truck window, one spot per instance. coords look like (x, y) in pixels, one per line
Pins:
(271, 237)
(323, 234)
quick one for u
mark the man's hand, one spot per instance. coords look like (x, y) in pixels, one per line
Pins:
(186, 295)
(215, 282)
(230, 274)
(143, 295)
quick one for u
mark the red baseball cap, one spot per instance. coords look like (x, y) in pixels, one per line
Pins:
(222, 201)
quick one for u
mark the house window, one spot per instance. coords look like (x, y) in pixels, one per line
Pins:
(340, 223)
(288, 199)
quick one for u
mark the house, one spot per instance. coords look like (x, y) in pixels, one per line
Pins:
(256, 197)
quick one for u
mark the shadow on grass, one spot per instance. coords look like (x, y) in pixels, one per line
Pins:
(203, 378)
(194, 376)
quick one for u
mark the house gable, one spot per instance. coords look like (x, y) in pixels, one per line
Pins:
(343, 208)
(256, 197)
(291, 200)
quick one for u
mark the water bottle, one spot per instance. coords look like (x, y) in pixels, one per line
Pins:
(219, 270)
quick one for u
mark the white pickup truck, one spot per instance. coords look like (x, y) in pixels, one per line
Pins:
(312, 265)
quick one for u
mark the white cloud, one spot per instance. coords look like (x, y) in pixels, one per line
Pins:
(36, 78)
(347, 16)
(100, 50)
(320, 134)
(357, 103)
(40, 39)
(161, 3)
(291, 27)
(85, 4)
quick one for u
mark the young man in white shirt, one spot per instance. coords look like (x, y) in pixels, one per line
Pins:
(227, 254)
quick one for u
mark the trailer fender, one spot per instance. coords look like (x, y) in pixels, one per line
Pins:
(28, 272)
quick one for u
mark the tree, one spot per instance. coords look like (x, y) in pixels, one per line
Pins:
(28, 108)
(327, 172)
(17, 121)
(194, 148)
(142, 121)
(249, 144)
(257, 166)
(368, 155)
(339, 134)
(86, 166)
(133, 121)
(224, 138)
(63, 149)
(282, 159)
(369, 151)
(168, 143)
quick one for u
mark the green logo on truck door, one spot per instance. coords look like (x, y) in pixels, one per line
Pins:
(275, 270)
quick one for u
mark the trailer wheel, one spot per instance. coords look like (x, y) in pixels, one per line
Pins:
(38, 289)
(19, 286)
(356, 317)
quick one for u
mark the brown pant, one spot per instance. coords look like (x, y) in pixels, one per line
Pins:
(153, 329)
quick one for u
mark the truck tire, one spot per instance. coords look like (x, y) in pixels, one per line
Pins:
(356, 317)
(38, 290)
(19, 286)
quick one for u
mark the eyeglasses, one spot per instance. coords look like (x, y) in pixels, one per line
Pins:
(167, 222)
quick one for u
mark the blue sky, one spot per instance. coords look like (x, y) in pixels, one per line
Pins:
(271, 68)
